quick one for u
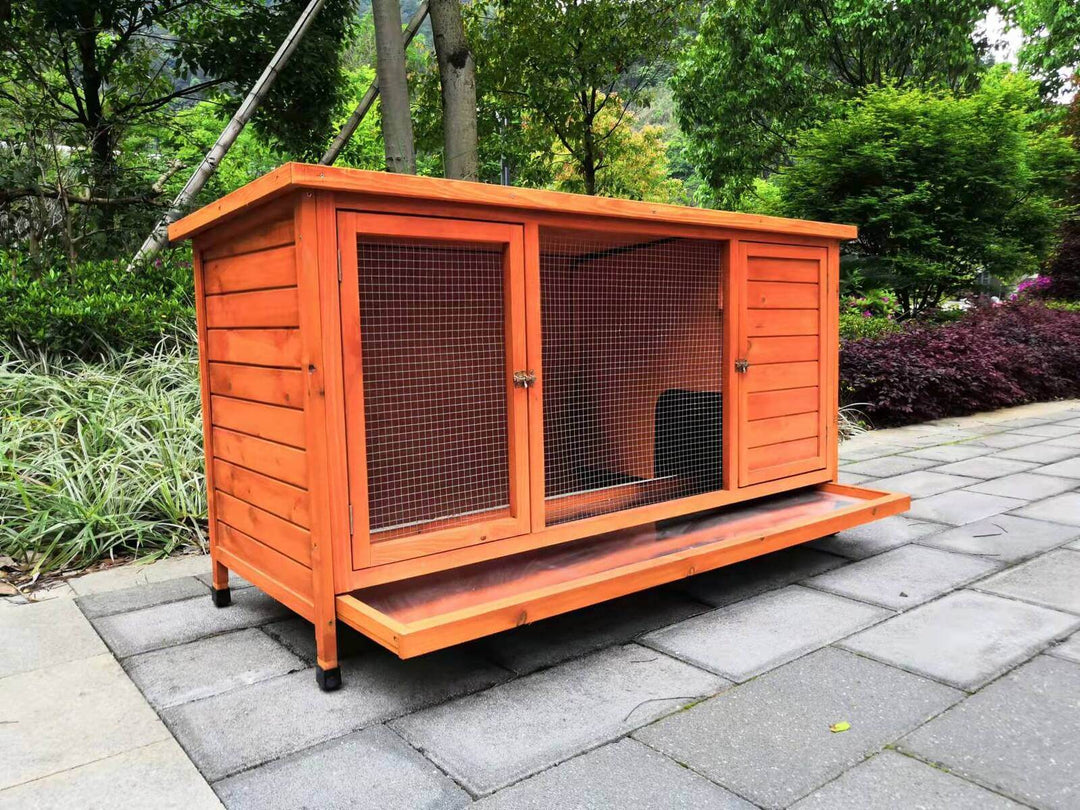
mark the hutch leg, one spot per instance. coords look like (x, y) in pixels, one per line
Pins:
(327, 670)
(219, 590)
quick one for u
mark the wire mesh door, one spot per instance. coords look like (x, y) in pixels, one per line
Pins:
(433, 333)
(632, 357)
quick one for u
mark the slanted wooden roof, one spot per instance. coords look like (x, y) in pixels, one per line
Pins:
(293, 176)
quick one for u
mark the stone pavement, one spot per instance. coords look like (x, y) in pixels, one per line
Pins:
(949, 639)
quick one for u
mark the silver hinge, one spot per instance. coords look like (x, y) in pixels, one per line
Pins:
(352, 523)
(339, 267)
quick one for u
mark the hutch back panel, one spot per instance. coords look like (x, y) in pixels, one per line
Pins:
(435, 410)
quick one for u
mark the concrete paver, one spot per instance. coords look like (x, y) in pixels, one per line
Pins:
(1028, 486)
(1052, 580)
(960, 507)
(136, 597)
(44, 634)
(1064, 508)
(874, 538)
(1005, 538)
(733, 583)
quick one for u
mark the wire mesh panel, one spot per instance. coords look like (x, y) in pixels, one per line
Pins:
(632, 357)
(432, 326)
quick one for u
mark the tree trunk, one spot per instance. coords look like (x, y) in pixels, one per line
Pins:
(159, 237)
(393, 87)
(457, 74)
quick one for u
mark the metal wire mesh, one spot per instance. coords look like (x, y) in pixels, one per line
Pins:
(433, 346)
(632, 357)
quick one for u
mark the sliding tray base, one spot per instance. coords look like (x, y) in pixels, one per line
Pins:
(415, 616)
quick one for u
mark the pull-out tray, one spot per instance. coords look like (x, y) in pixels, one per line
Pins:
(415, 616)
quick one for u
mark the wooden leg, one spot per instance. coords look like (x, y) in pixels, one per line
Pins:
(219, 589)
(327, 670)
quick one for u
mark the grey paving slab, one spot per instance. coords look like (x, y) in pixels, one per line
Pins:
(769, 740)
(488, 740)
(1066, 441)
(297, 635)
(1050, 431)
(961, 507)
(863, 450)
(1038, 453)
(43, 634)
(70, 714)
(158, 776)
(951, 452)
(373, 769)
(733, 583)
(209, 666)
(750, 637)
(179, 622)
(140, 596)
(893, 781)
(1063, 508)
(1005, 538)
(236, 582)
(1069, 468)
(1028, 486)
(623, 774)
(254, 724)
(986, 467)
(846, 477)
(1026, 421)
(876, 536)
(1020, 735)
(923, 483)
(128, 576)
(904, 577)
(964, 639)
(1052, 580)
(888, 466)
(1068, 649)
(1003, 441)
(527, 649)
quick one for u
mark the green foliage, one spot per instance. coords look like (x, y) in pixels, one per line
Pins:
(1063, 306)
(758, 71)
(854, 325)
(1051, 46)
(102, 460)
(94, 307)
(942, 188)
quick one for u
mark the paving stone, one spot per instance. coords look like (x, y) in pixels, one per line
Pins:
(923, 483)
(733, 583)
(1066, 441)
(1068, 649)
(179, 622)
(158, 775)
(43, 634)
(1025, 421)
(889, 465)
(951, 452)
(209, 666)
(1069, 468)
(769, 740)
(132, 574)
(1020, 735)
(372, 769)
(254, 724)
(1039, 453)
(876, 536)
(852, 478)
(140, 596)
(297, 635)
(893, 781)
(1027, 486)
(961, 507)
(236, 582)
(68, 715)
(964, 639)
(1049, 431)
(986, 467)
(1005, 538)
(488, 740)
(861, 451)
(904, 577)
(750, 637)
(544, 644)
(623, 774)
(1052, 580)
(1003, 441)
(1064, 508)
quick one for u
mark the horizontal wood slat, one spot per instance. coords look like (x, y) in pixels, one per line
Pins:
(276, 497)
(263, 236)
(769, 404)
(781, 295)
(262, 308)
(272, 564)
(284, 537)
(257, 347)
(772, 455)
(273, 385)
(768, 268)
(269, 458)
(775, 376)
(783, 349)
(276, 424)
(782, 429)
(780, 322)
(251, 271)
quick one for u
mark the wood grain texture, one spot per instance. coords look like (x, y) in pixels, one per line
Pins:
(256, 347)
(274, 386)
(279, 461)
(261, 308)
(276, 424)
(263, 269)
(768, 404)
(279, 534)
(284, 500)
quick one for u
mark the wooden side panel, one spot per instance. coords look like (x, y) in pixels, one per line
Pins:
(253, 403)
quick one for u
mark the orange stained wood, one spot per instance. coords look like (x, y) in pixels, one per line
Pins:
(280, 461)
(277, 424)
(284, 500)
(274, 386)
(256, 347)
(260, 308)
(260, 270)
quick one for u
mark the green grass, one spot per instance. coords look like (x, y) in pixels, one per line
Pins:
(100, 459)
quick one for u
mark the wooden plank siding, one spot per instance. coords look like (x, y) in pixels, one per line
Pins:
(256, 425)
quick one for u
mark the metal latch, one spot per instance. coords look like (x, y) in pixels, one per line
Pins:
(742, 366)
(523, 379)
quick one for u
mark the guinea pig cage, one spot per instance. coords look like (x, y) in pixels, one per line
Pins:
(435, 410)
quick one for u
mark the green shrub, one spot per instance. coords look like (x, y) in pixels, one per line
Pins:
(1064, 306)
(101, 459)
(854, 325)
(91, 308)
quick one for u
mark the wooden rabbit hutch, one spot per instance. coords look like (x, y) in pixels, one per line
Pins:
(437, 410)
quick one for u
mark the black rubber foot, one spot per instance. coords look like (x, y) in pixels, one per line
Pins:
(328, 679)
(222, 598)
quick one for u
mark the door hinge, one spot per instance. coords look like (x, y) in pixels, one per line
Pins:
(742, 366)
(339, 267)
(352, 523)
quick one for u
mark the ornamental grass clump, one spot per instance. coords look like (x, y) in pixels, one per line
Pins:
(101, 460)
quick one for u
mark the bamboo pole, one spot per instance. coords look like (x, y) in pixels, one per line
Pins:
(159, 237)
